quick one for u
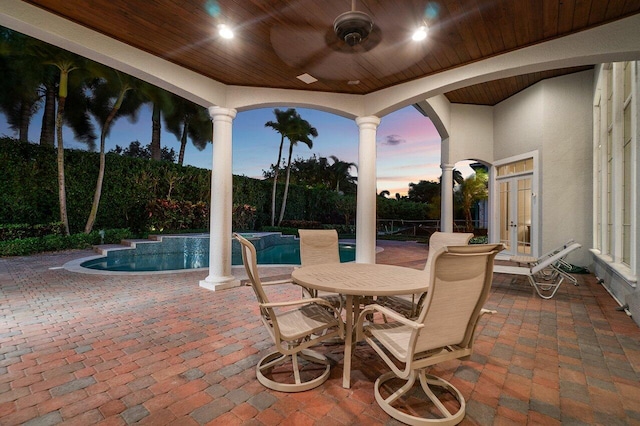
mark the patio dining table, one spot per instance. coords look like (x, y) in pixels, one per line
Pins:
(357, 280)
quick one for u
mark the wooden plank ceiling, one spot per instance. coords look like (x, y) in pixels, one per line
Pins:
(277, 40)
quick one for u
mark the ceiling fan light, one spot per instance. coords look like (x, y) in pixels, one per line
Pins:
(353, 27)
(420, 34)
(225, 32)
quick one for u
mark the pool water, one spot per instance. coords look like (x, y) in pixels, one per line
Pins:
(135, 260)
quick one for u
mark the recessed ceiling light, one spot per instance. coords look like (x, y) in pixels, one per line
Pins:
(307, 78)
(353, 82)
(421, 33)
(225, 31)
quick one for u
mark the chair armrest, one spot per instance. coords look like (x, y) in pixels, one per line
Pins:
(295, 302)
(276, 282)
(301, 302)
(386, 312)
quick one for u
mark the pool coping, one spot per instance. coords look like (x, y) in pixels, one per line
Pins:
(75, 265)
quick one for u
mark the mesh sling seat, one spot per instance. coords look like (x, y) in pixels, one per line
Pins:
(408, 305)
(459, 284)
(319, 246)
(294, 326)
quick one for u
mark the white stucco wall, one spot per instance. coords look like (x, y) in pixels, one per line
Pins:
(471, 133)
(554, 117)
(518, 123)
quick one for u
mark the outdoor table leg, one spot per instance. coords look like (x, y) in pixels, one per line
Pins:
(353, 310)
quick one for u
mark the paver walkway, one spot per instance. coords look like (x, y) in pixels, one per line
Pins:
(158, 349)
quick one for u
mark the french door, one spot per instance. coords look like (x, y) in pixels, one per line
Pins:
(515, 214)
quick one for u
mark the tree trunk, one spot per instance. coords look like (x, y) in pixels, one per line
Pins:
(183, 142)
(47, 133)
(286, 186)
(62, 193)
(275, 181)
(103, 136)
(156, 150)
(25, 120)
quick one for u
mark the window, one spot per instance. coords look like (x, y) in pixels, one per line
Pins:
(516, 167)
(616, 114)
(609, 92)
(626, 173)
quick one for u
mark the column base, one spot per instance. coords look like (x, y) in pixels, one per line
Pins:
(219, 283)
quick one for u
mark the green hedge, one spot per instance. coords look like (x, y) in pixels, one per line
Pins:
(14, 232)
(31, 245)
(29, 190)
(29, 193)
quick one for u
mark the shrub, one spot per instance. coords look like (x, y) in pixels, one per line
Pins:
(56, 242)
(243, 217)
(177, 215)
(16, 231)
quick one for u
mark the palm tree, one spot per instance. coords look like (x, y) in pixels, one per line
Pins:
(301, 130)
(108, 103)
(472, 190)
(21, 80)
(72, 87)
(340, 172)
(284, 125)
(48, 128)
(188, 120)
(161, 104)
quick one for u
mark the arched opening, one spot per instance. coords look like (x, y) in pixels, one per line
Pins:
(471, 197)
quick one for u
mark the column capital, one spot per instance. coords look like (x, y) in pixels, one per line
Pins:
(370, 120)
(217, 112)
(446, 166)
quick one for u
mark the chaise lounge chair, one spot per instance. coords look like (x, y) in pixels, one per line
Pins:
(545, 274)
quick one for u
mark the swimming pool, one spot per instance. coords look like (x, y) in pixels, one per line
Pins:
(192, 252)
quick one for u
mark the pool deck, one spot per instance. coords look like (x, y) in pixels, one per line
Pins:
(80, 349)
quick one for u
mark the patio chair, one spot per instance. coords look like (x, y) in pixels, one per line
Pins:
(318, 246)
(459, 284)
(546, 274)
(294, 326)
(409, 305)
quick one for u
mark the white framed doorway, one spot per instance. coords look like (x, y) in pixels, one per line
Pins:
(515, 221)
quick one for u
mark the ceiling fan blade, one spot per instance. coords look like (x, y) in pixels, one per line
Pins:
(297, 46)
(314, 48)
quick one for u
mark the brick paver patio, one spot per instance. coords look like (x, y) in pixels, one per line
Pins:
(158, 349)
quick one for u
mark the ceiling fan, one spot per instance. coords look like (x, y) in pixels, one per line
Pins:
(347, 47)
(353, 27)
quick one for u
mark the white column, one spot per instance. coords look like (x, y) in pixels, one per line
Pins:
(220, 276)
(446, 198)
(366, 197)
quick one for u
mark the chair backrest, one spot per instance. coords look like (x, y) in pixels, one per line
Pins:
(250, 261)
(459, 285)
(318, 246)
(439, 240)
(558, 256)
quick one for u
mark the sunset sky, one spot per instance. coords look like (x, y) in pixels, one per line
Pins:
(408, 145)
